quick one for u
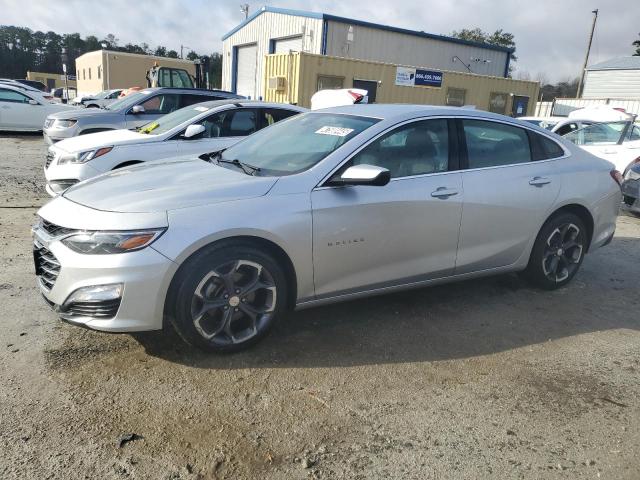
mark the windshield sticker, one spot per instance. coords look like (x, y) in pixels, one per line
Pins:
(201, 109)
(335, 131)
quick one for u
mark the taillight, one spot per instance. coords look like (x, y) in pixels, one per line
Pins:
(617, 176)
(357, 98)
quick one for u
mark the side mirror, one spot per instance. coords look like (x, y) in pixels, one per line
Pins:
(137, 109)
(193, 130)
(363, 175)
(33, 102)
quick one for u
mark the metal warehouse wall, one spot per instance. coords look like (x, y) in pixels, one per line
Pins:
(393, 47)
(302, 70)
(612, 84)
(261, 30)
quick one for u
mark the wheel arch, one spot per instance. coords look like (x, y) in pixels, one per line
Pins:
(580, 211)
(127, 163)
(280, 255)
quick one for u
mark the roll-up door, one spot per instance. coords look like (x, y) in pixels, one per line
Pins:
(284, 45)
(246, 71)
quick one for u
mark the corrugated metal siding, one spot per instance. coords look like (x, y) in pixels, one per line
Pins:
(393, 47)
(564, 106)
(612, 84)
(302, 72)
(261, 30)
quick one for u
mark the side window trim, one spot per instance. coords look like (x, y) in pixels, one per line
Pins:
(323, 182)
(465, 164)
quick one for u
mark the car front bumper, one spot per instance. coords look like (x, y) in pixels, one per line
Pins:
(53, 135)
(60, 177)
(144, 276)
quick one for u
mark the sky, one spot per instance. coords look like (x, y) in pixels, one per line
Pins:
(551, 35)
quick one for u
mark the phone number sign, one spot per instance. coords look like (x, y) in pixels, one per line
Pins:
(410, 77)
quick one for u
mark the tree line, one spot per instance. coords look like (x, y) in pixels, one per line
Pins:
(22, 49)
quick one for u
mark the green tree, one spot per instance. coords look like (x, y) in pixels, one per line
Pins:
(192, 55)
(172, 54)
(160, 51)
(636, 44)
(499, 38)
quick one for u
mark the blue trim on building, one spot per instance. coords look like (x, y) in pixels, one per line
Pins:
(234, 69)
(506, 66)
(325, 29)
(326, 17)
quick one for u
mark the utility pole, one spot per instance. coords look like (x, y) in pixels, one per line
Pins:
(244, 8)
(586, 58)
(182, 47)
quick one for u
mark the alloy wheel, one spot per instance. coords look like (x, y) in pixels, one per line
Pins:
(233, 302)
(563, 252)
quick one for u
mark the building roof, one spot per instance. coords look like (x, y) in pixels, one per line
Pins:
(618, 63)
(351, 21)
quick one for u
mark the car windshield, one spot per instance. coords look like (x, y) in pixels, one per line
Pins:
(607, 133)
(296, 144)
(126, 102)
(172, 120)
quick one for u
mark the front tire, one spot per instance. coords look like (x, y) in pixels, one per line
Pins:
(226, 298)
(558, 252)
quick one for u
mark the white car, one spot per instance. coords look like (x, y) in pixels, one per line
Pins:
(25, 111)
(197, 129)
(99, 100)
(559, 125)
(617, 142)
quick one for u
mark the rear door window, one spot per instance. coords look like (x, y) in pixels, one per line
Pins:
(230, 123)
(12, 96)
(492, 144)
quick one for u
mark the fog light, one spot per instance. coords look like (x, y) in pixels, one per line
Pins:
(96, 293)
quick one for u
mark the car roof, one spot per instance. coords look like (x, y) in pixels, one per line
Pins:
(198, 91)
(390, 111)
(243, 103)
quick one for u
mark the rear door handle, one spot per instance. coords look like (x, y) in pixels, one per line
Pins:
(539, 181)
(444, 192)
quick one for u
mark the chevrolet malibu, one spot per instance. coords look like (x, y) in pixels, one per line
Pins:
(321, 207)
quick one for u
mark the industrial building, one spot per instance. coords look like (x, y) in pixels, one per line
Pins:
(274, 30)
(294, 77)
(51, 80)
(106, 69)
(617, 78)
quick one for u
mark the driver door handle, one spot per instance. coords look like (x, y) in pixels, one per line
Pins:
(443, 192)
(539, 181)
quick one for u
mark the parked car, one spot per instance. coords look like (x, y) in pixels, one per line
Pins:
(40, 95)
(24, 110)
(321, 207)
(559, 125)
(617, 142)
(631, 186)
(338, 97)
(60, 94)
(201, 128)
(129, 91)
(33, 84)
(101, 99)
(130, 112)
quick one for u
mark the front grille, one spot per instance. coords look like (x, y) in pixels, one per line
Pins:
(103, 310)
(53, 229)
(50, 157)
(47, 265)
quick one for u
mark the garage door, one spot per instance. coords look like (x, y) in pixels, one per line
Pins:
(246, 71)
(285, 44)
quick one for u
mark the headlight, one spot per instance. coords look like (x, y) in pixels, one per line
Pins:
(100, 243)
(632, 175)
(83, 157)
(65, 123)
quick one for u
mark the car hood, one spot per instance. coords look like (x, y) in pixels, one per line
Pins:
(83, 112)
(170, 185)
(113, 138)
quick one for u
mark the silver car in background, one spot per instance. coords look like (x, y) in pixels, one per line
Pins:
(322, 207)
(130, 112)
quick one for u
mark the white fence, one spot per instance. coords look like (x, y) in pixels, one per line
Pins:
(561, 107)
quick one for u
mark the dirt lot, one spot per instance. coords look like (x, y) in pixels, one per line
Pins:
(483, 379)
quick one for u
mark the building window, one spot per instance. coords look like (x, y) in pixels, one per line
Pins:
(78, 74)
(498, 102)
(89, 73)
(99, 71)
(84, 74)
(455, 97)
(326, 82)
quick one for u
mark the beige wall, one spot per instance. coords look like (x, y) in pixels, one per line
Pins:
(108, 69)
(302, 70)
(58, 78)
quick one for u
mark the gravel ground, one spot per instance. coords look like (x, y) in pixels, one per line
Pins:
(481, 379)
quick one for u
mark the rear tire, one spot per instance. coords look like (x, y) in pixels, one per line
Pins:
(557, 252)
(226, 298)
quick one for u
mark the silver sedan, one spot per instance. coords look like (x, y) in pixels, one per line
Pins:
(323, 207)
